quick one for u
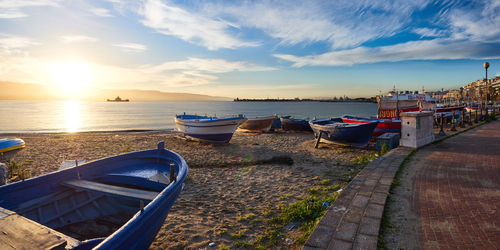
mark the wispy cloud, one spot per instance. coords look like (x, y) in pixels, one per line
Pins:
(210, 65)
(11, 44)
(343, 24)
(131, 47)
(78, 38)
(427, 32)
(101, 12)
(14, 8)
(414, 50)
(211, 33)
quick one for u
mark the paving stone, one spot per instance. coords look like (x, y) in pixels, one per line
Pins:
(340, 245)
(320, 237)
(346, 231)
(374, 210)
(378, 198)
(360, 201)
(365, 242)
(353, 215)
(369, 226)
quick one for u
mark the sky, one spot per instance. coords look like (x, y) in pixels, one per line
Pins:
(250, 49)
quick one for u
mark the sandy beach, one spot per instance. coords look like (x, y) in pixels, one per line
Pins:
(232, 190)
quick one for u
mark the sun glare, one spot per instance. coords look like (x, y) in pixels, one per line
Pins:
(72, 78)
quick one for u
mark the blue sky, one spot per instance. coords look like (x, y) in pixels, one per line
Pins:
(251, 49)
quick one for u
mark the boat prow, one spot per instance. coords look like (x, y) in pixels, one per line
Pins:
(119, 202)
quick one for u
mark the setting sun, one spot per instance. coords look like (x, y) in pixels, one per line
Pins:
(71, 77)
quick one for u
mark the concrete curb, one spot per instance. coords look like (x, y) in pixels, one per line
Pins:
(353, 220)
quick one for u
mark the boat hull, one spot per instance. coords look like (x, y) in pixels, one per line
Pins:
(137, 198)
(208, 129)
(259, 124)
(384, 125)
(295, 124)
(11, 144)
(336, 131)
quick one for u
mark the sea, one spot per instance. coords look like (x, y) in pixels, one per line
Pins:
(83, 116)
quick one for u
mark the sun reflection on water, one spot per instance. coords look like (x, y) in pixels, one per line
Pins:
(72, 115)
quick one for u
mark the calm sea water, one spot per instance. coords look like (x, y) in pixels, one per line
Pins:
(75, 116)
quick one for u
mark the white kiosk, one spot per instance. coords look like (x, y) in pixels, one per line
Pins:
(416, 129)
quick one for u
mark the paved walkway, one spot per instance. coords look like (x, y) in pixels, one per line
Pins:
(456, 191)
(353, 220)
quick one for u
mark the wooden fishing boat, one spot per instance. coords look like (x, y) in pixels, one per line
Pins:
(259, 124)
(9, 144)
(119, 202)
(295, 124)
(384, 125)
(346, 133)
(277, 123)
(209, 129)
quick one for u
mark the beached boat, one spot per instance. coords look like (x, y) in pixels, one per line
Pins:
(295, 124)
(277, 123)
(209, 129)
(347, 133)
(260, 124)
(118, 202)
(384, 125)
(9, 144)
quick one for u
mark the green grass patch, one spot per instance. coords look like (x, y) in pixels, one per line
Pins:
(246, 217)
(364, 159)
(238, 235)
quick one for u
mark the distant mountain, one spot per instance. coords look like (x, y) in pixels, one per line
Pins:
(25, 91)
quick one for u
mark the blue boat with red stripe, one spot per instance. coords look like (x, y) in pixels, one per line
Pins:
(384, 125)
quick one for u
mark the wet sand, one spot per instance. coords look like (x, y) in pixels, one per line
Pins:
(225, 182)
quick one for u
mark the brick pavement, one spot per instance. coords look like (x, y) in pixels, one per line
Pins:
(456, 191)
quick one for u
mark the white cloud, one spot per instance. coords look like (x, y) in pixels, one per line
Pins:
(210, 65)
(11, 44)
(14, 8)
(78, 38)
(343, 24)
(195, 28)
(426, 32)
(101, 12)
(415, 50)
(132, 47)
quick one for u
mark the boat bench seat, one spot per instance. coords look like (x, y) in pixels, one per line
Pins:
(107, 189)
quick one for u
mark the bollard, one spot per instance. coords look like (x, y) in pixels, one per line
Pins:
(470, 117)
(453, 127)
(462, 121)
(441, 131)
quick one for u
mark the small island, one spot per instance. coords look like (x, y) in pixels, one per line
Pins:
(118, 99)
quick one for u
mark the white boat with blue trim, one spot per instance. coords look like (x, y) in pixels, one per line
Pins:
(208, 128)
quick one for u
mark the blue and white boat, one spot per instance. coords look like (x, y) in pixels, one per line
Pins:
(207, 128)
(119, 202)
(337, 131)
(9, 144)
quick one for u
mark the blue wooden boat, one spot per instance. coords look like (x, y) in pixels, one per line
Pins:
(295, 124)
(277, 123)
(384, 125)
(337, 131)
(9, 144)
(119, 202)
